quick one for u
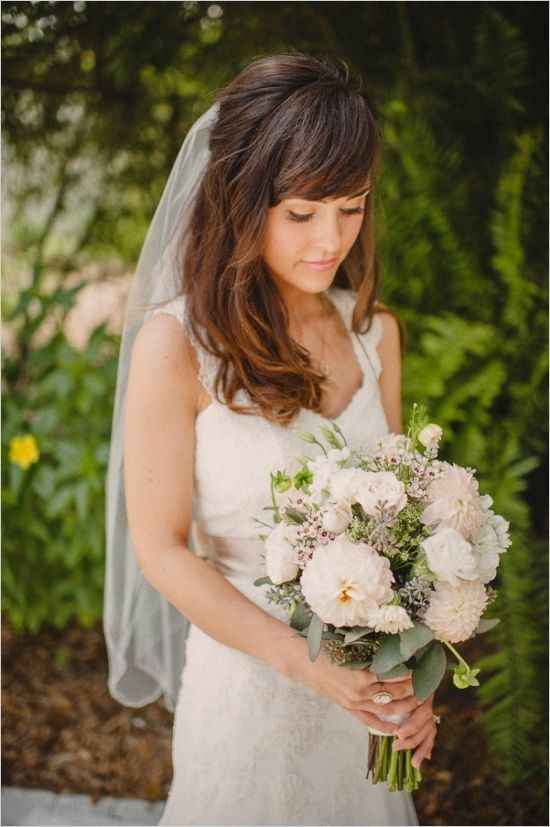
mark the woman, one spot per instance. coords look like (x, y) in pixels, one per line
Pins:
(274, 329)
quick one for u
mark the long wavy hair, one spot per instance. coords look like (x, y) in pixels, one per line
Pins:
(288, 125)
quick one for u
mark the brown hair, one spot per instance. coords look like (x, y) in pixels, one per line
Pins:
(288, 125)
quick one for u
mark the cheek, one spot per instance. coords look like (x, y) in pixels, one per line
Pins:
(286, 242)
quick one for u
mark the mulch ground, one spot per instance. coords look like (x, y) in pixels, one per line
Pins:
(62, 731)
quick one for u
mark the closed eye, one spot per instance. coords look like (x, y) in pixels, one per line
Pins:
(306, 216)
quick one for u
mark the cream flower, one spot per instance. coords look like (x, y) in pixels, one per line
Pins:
(393, 446)
(430, 436)
(337, 518)
(454, 501)
(344, 581)
(450, 556)
(454, 611)
(379, 488)
(345, 483)
(280, 556)
(323, 468)
(390, 619)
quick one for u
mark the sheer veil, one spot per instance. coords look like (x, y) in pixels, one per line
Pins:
(145, 635)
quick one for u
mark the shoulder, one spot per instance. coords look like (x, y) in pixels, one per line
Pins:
(390, 334)
(163, 360)
(389, 343)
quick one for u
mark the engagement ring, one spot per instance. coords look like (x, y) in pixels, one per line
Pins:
(437, 718)
(382, 698)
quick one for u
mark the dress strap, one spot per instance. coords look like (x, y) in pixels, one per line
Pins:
(208, 363)
(364, 344)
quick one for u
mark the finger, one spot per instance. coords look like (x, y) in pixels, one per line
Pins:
(416, 720)
(424, 751)
(414, 740)
(371, 720)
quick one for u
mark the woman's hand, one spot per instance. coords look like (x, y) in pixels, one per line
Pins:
(354, 689)
(418, 732)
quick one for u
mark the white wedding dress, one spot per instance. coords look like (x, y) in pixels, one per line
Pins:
(250, 747)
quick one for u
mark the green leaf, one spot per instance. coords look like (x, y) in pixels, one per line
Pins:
(413, 639)
(300, 617)
(485, 624)
(429, 670)
(262, 581)
(388, 656)
(399, 671)
(314, 636)
(355, 634)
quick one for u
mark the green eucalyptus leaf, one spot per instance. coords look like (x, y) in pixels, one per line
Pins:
(314, 636)
(355, 634)
(388, 656)
(485, 624)
(262, 581)
(399, 671)
(429, 670)
(414, 639)
(300, 617)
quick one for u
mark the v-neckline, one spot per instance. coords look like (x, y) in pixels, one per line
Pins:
(357, 352)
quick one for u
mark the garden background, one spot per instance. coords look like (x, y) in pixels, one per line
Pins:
(97, 98)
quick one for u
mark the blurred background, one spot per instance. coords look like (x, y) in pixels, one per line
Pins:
(97, 98)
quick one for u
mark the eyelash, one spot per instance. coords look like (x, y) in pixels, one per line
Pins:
(307, 216)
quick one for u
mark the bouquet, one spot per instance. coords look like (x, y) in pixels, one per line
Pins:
(383, 558)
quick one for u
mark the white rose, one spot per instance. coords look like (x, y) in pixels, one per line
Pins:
(323, 468)
(487, 548)
(280, 555)
(337, 518)
(377, 487)
(450, 556)
(430, 435)
(344, 484)
(454, 501)
(344, 581)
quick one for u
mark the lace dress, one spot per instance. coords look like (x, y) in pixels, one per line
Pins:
(250, 747)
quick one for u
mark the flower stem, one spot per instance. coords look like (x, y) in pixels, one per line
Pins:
(455, 653)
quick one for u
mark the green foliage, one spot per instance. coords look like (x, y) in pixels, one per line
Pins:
(53, 550)
(480, 363)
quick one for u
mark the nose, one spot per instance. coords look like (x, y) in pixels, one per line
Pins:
(328, 233)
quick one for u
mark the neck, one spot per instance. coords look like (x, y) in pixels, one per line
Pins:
(303, 308)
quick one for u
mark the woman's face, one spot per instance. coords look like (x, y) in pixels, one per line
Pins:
(301, 233)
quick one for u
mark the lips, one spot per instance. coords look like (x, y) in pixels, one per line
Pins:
(324, 263)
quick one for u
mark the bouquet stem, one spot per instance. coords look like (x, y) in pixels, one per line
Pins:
(392, 766)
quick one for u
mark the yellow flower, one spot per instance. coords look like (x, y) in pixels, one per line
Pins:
(24, 450)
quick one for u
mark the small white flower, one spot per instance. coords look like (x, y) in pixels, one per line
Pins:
(337, 518)
(378, 487)
(390, 619)
(501, 528)
(344, 581)
(393, 446)
(454, 501)
(280, 555)
(450, 556)
(430, 436)
(454, 611)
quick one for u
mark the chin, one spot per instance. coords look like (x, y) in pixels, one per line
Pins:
(316, 283)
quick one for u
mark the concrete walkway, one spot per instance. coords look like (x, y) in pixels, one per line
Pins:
(43, 808)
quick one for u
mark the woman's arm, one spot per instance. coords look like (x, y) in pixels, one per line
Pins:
(159, 444)
(389, 351)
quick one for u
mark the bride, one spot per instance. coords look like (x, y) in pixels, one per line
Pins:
(253, 316)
